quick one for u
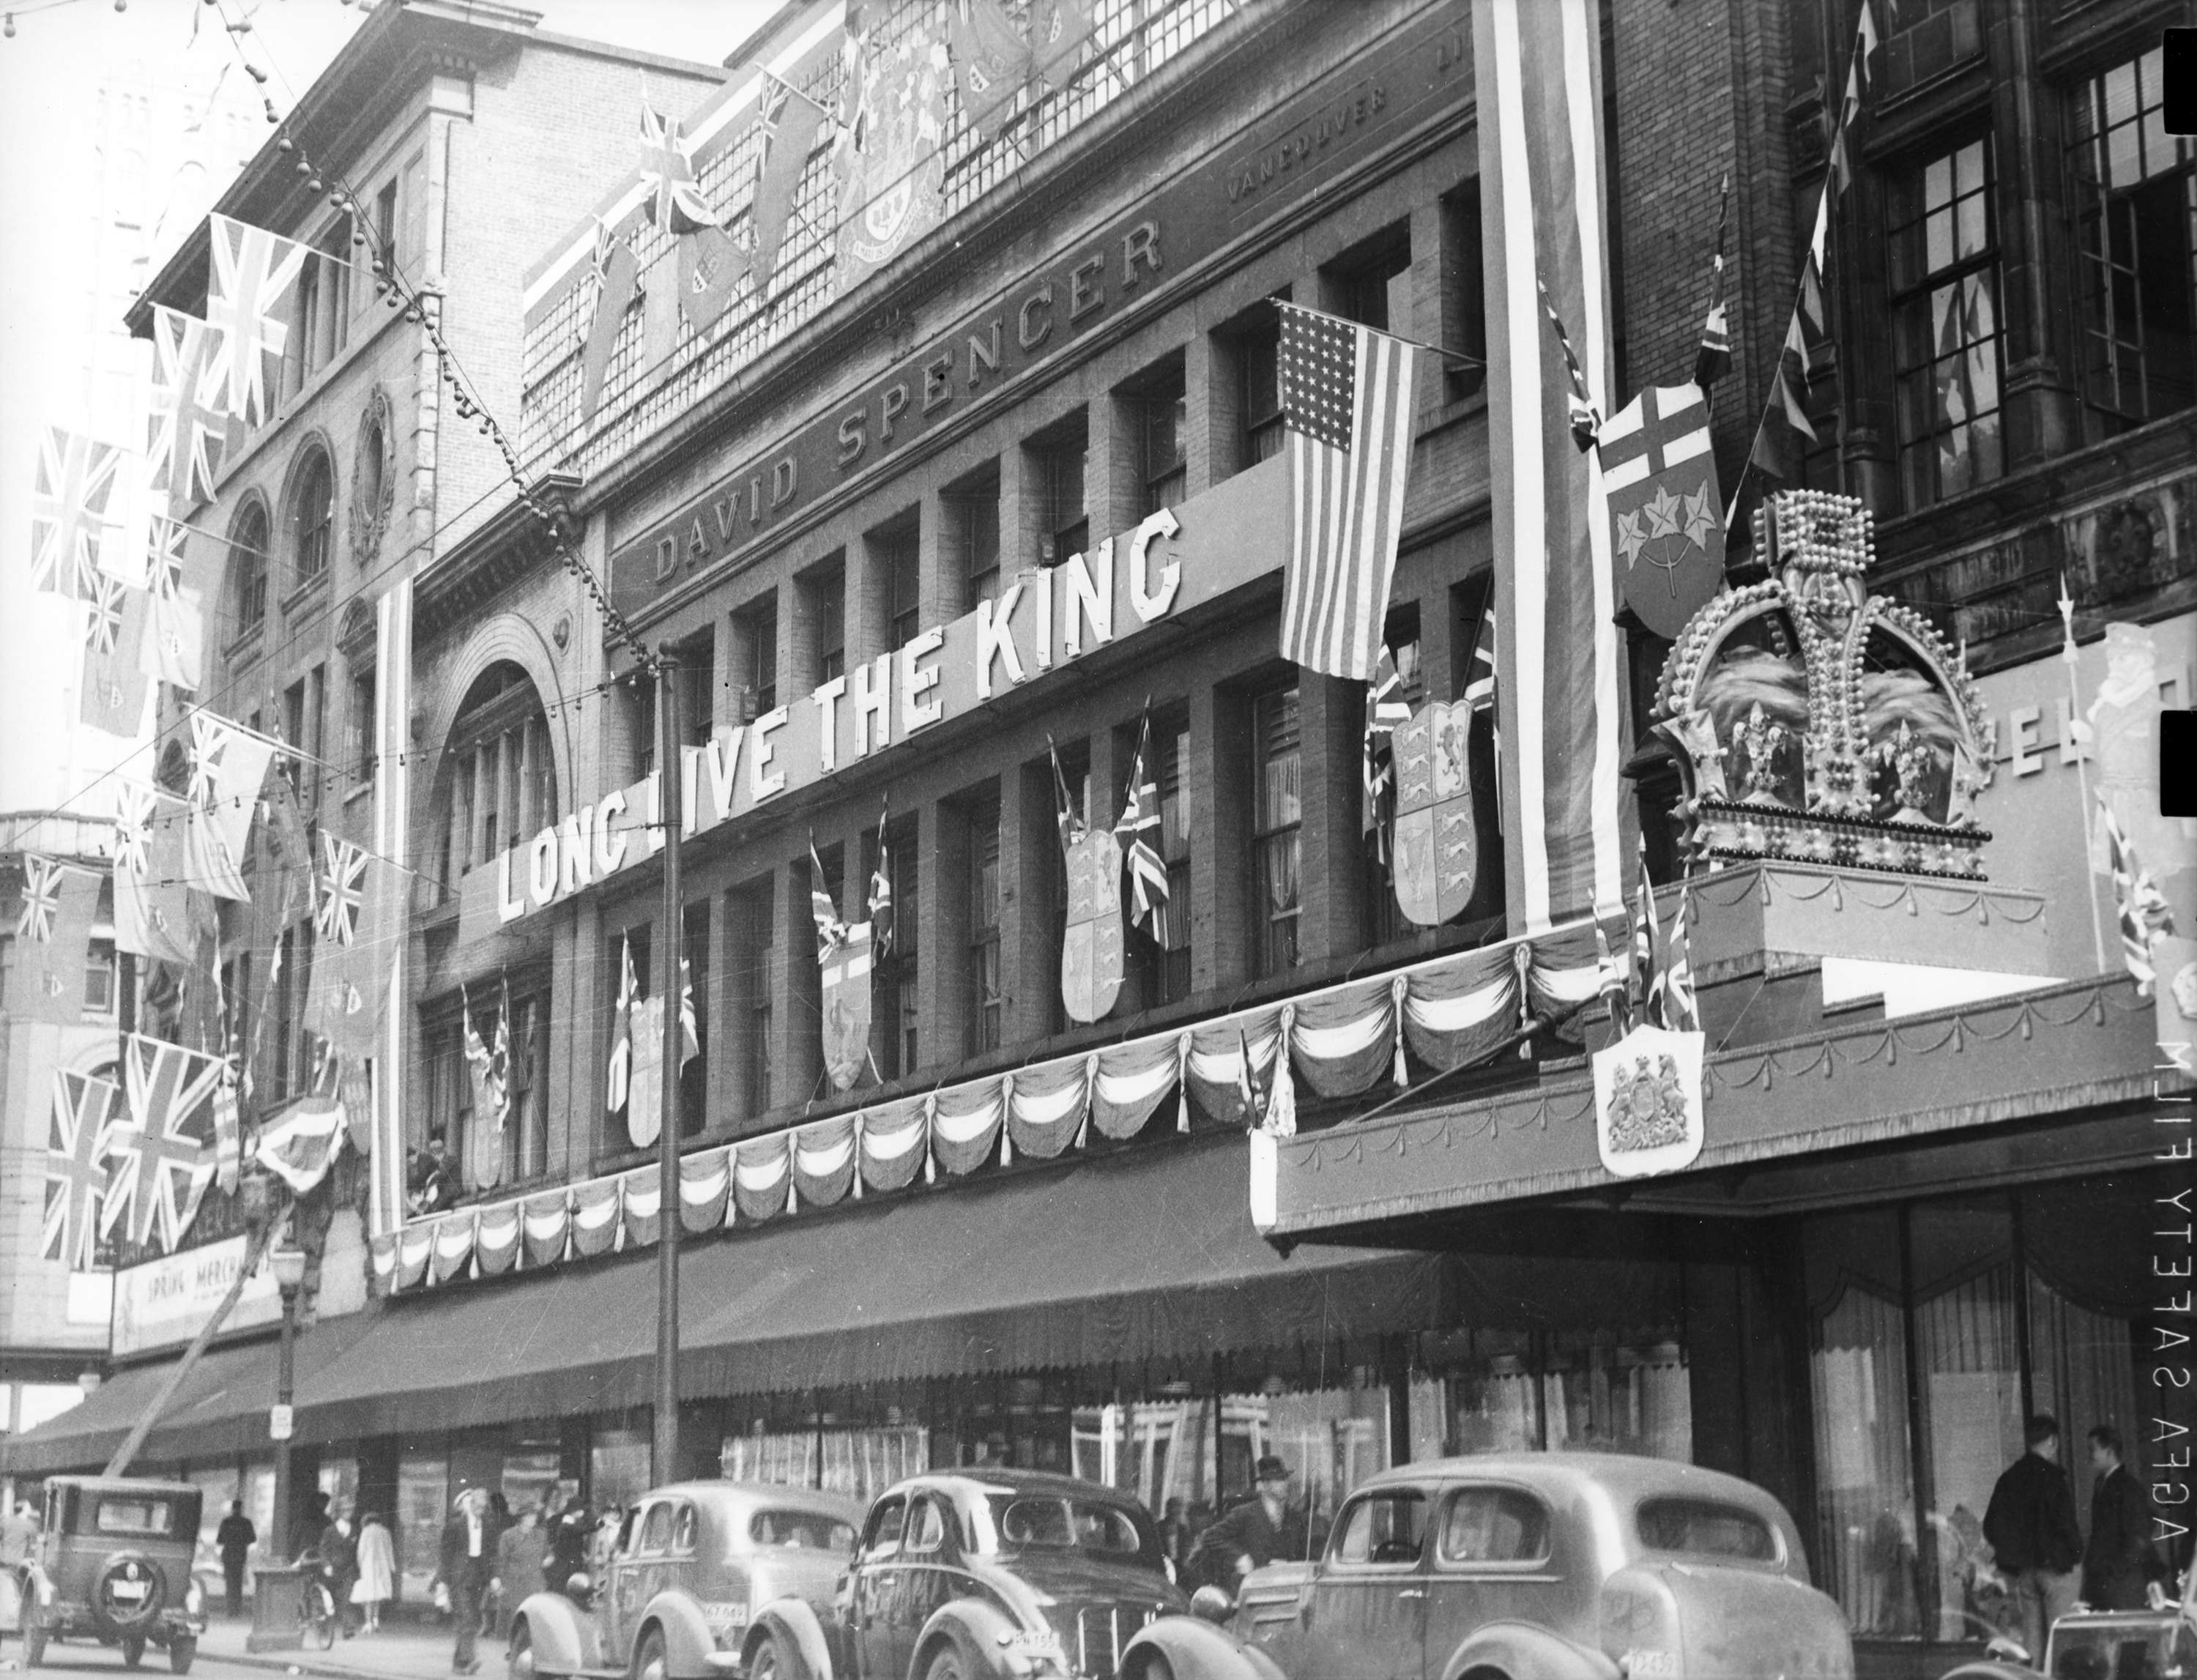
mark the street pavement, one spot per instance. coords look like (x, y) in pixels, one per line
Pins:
(406, 1651)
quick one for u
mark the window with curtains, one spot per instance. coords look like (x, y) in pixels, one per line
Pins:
(986, 1001)
(1278, 815)
(1947, 332)
(2133, 195)
(495, 784)
(758, 634)
(1935, 1329)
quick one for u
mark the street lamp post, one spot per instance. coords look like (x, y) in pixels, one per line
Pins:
(289, 1267)
(664, 1454)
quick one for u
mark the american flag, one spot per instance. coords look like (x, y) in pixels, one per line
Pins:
(185, 427)
(163, 1158)
(2143, 912)
(68, 511)
(342, 888)
(1137, 830)
(76, 1169)
(1346, 396)
(667, 168)
(252, 269)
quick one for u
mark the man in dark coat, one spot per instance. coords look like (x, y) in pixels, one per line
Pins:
(2033, 1534)
(2120, 1559)
(235, 1540)
(469, 1565)
(339, 1570)
(568, 1534)
(1256, 1533)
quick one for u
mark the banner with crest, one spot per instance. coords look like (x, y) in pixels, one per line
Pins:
(1436, 849)
(1090, 953)
(890, 158)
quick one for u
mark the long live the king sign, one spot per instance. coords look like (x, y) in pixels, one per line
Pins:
(1043, 621)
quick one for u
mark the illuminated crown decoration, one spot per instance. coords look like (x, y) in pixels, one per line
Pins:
(1817, 723)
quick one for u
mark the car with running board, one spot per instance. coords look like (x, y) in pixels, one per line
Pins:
(112, 1563)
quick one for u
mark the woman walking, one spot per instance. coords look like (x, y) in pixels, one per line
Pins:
(377, 1570)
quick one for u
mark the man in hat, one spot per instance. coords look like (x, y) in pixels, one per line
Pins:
(1256, 1533)
(469, 1565)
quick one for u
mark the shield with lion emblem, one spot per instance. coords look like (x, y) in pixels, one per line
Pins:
(1648, 1102)
(847, 1006)
(1091, 953)
(1437, 852)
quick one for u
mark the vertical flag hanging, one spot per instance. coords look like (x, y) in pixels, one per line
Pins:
(790, 135)
(1386, 712)
(1346, 399)
(111, 684)
(881, 892)
(843, 953)
(69, 516)
(1138, 833)
(617, 1090)
(53, 933)
(675, 201)
(1541, 174)
(891, 154)
(2142, 911)
(80, 1128)
(174, 639)
(616, 277)
(252, 269)
(163, 1153)
(151, 897)
(185, 427)
(1713, 360)
(228, 764)
(991, 58)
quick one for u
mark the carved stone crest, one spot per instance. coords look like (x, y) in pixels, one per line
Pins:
(373, 476)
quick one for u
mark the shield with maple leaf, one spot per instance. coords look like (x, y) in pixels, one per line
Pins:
(1665, 512)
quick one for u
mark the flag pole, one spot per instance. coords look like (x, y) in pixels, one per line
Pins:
(664, 1437)
(2068, 656)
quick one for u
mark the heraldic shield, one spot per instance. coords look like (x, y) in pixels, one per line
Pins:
(1665, 512)
(1648, 1102)
(1437, 854)
(1090, 955)
(847, 1007)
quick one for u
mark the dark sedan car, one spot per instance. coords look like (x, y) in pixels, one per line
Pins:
(114, 1563)
(983, 1575)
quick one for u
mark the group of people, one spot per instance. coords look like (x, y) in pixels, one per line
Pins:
(492, 1561)
(356, 1564)
(2037, 1543)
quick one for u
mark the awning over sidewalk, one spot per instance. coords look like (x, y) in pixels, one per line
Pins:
(1148, 1254)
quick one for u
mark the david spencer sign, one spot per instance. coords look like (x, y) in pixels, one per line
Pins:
(1043, 621)
(165, 1301)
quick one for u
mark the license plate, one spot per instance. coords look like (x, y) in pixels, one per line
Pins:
(129, 1588)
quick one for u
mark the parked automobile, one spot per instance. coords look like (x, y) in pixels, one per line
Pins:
(2101, 1645)
(114, 1563)
(694, 1562)
(979, 1575)
(1524, 1567)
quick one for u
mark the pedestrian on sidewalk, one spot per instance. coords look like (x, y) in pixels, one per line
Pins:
(2036, 1539)
(518, 1557)
(339, 1568)
(234, 1539)
(468, 1558)
(377, 1570)
(2119, 1564)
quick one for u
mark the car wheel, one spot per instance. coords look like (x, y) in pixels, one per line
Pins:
(775, 1660)
(519, 1654)
(34, 1645)
(945, 1664)
(648, 1662)
(180, 1652)
(1155, 1667)
(133, 1652)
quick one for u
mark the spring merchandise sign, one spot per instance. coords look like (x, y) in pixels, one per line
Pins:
(163, 1302)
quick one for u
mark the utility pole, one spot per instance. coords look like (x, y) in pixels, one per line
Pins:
(670, 783)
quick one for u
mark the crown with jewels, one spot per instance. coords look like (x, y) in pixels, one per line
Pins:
(1818, 723)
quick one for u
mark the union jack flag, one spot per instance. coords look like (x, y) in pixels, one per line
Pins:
(342, 889)
(252, 269)
(881, 894)
(185, 428)
(1647, 939)
(69, 510)
(76, 1170)
(133, 827)
(163, 1157)
(1386, 712)
(106, 599)
(2142, 910)
(830, 931)
(1681, 1013)
(667, 166)
(1139, 825)
(42, 898)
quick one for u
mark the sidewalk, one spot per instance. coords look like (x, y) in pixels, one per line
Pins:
(409, 1650)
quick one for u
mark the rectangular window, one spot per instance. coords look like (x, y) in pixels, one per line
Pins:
(316, 731)
(899, 561)
(1061, 460)
(1277, 813)
(1372, 285)
(358, 731)
(99, 977)
(759, 647)
(824, 597)
(987, 998)
(286, 1020)
(640, 721)
(2134, 195)
(975, 511)
(698, 677)
(293, 734)
(252, 574)
(1259, 351)
(1162, 417)
(1946, 338)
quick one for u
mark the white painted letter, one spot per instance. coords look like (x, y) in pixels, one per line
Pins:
(827, 723)
(760, 786)
(610, 834)
(1090, 599)
(576, 847)
(1044, 587)
(995, 634)
(915, 712)
(508, 908)
(723, 756)
(541, 867)
(1151, 605)
(872, 704)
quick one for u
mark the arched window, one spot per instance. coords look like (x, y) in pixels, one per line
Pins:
(497, 785)
(247, 559)
(312, 517)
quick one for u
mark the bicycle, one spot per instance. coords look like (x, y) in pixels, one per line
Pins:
(316, 1609)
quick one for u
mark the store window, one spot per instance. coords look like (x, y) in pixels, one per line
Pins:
(1501, 1390)
(1277, 815)
(2134, 197)
(248, 549)
(1935, 1329)
(986, 1000)
(1946, 334)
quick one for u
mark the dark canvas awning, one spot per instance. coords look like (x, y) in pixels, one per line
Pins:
(1148, 1254)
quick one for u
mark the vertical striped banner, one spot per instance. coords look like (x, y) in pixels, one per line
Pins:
(388, 928)
(1560, 704)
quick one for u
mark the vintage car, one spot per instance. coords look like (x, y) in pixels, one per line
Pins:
(2102, 1645)
(693, 1563)
(986, 1574)
(1524, 1567)
(114, 1563)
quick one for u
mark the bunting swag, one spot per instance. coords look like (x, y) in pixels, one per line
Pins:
(1541, 170)
(152, 902)
(299, 1144)
(163, 1153)
(229, 762)
(53, 934)
(890, 156)
(188, 410)
(1340, 1042)
(69, 518)
(84, 1108)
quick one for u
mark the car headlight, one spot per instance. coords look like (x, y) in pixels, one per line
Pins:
(725, 1618)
